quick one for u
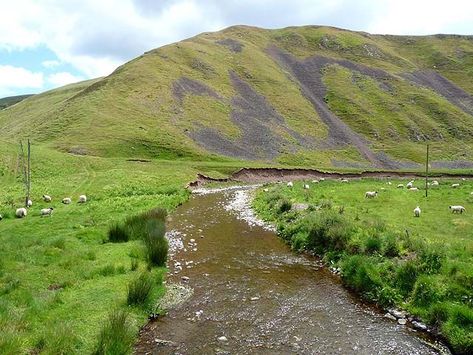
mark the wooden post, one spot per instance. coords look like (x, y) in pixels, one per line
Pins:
(28, 186)
(427, 172)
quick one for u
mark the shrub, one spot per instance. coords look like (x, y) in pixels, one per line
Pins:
(431, 260)
(428, 290)
(327, 230)
(139, 289)
(390, 246)
(118, 233)
(284, 205)
(117, 336)
(299, 241)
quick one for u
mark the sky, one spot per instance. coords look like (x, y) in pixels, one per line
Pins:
(50, 43)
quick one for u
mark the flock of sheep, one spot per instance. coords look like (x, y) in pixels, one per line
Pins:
(23, 212)
(410, 186)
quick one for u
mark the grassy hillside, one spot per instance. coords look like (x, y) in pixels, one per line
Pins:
(11, 100)
(315, 96)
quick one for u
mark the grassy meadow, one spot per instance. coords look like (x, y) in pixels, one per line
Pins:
(423, 265)
(60, 277)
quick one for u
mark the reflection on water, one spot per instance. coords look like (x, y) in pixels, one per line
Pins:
(253, 295)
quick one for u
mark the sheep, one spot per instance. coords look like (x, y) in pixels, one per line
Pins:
(371, 194)
(21, 212)
(315, 181)
(410, 184)
(66, 200)
(413, 189)
(457, 209)
(265, 190)
(455, 185)
(463, 179)
(1, 217)
(29, 203)
(47, 211)
(290, 184)
(435, 183)
(321, 179)
(417, 211)
(400, 186)
(82, 199)
(390, 183)
(47, 198)
(306, 186)
(344, 180)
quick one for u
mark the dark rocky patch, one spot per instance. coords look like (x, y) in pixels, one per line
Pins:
(308, 73)
(454, 164)
(260, 125)
(442, 86)
(231, 44)
(185, 86)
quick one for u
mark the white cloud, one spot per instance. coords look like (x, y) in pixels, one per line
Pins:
(50, 63)
(13, 78)
(63, 78)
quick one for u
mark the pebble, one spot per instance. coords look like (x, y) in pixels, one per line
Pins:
(192, 240)
(254, 298)
(390, 316)
(397, 314)
(222, 338)
(185, 278)
(402, 321)
(419, 326)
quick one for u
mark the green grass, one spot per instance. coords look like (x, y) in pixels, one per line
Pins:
(385, 253)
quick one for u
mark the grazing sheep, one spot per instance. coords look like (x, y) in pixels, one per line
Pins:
(290, 184)
(265, 190)
(47, 211)
(21, 212)
(66, 200)
(463, 179)
(321, 179)
(29, 203)
(47, 198)
(400, 186)
(413, 189)
(457, 209)
(315, 181)
(306, 186)
(390, 183)
(417, 211)
(82, 199)
(435, 183)
(455, 185)
(471, 193)
(344, 180)
(371, 194)
(1, 217)
(410, 184)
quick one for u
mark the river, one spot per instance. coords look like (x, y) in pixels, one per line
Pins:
(253, 295)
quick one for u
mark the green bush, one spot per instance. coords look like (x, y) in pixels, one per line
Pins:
(326, 231)
(118, 233)
(360, 274)
(117, 336)
(139, 289)
(372, 244)
(406, 277)
(431, 260)
(284, 205)
(390, 246)
(428, 290)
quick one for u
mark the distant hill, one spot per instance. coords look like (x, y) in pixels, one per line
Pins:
(11, 100)
(307, 96)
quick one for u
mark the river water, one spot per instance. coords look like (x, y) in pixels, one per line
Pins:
(251, 289)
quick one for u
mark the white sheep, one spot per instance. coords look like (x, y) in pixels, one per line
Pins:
(413, 189)
(390, 183)
(322, 179)
(1, 217)
(344, 180)
(400, 186)
(306, 186)
(47, 211)
(410, 184)
(265, 190)
(463, 179)
(29, 203)
(290, 184)
(435, 183)
(66, 200)
(21, 212)
(457, 209)
(315, 181)
(417, 211)
(82, 199)
(47, 198)
(455, 185)
(371, 194)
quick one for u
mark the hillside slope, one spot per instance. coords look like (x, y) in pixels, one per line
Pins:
(11, 100)
(315, 96)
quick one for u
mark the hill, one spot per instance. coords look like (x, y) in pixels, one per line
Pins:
(306, 96)
(11, 100)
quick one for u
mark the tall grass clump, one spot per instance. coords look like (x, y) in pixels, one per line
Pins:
(139, 289)
(156, 247)
(118, 233)
(117, 335)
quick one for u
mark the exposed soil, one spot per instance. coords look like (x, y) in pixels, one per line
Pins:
(444, 87)
(232, 44)
(185, 86)
(308, 73)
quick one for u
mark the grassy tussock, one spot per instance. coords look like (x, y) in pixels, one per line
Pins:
(116, 336)
(139, 289)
